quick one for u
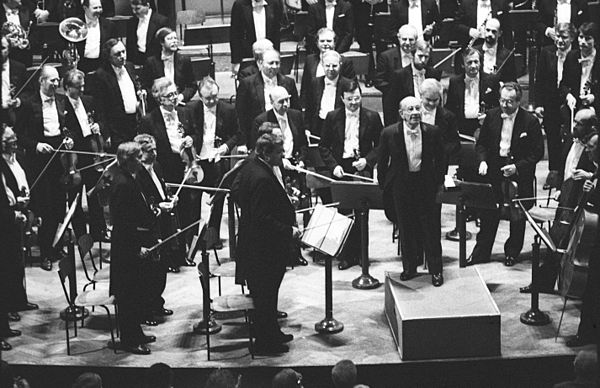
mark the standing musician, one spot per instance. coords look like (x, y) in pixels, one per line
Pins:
(497, 60)
(552, 12)
(349, 144)
(470, 92)
(13, 76)
(423, 15)
(114, 91)
(40, 124)
(100, 30)
(266, 234)
(85, 123)
(141, 31)
(471, 16)
(411, 163)
(509, 146)
(253, 93)
(133, 221)
(580, 85)
(172, 128)
(152, 184)
(258, 48)
(406, 81)
(548, 77)
(334, 15)
(578, 166)
(172, 64)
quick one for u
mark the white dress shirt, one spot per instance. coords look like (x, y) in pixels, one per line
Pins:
(328, 98)
(82, 117)
(142, 31)
(50, 116)
(17, 171)
(209, 133)
(471, 97)
(320, 69)
(269, 83)
(428, 116)
(573, 157)
(484, 8)
(414, 16)
(329, 11)
(259, 16)
(560, 63)
(12, 199)
(92, 42)
(586, 71)
(174, 134)
(169, 65)
(406, 58)
(351, 133)
(127, 89)
(418, 78)
(156, 181)
(288, 137)
(12, 15)
(489, 58)
(563, 11)
(5, 84)
(508, 122)
(414, 147)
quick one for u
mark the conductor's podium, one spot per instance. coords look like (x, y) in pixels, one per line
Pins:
(458, 319)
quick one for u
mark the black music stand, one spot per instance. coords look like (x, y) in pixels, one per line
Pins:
(208, 35)
(64, 232)
(523, 21)
(361, 197)
(473, 195)
(534, 316)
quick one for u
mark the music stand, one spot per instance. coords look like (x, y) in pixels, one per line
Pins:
(207, 36)
(523, 21)
(361, 197)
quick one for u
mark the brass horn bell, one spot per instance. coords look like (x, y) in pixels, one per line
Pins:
(73, 29)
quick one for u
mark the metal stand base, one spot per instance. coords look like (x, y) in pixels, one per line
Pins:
(76, 313)
(365, 282)
(535, 318)
(454, 235)
(213, 327)
(329, 326)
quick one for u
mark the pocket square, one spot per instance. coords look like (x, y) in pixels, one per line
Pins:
(488, 90)
(522, 135)
(342, 15)
(580, 12)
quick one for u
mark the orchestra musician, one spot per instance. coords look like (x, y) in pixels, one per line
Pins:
(133, 222)
(100, 30)
(141, 32)
(253, 94)
(252, 20)
(22, 18)
(497, 60)
(349, 142)
(40, 123)
(266, 236)
(423, 15)
(552, 12)
(406, 81)
(334, 15)
(468, 92)
(13, 77)
(471, 16)
(258, 48)
(508, 148)
(548, 77)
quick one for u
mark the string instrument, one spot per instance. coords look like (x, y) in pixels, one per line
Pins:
(293, 185)
(193, 171)
(364, 173)
(575, 260)
(509, 210)
(141, 94)
(96, 142)
(70, 177)
(570, 196)
(24, 226)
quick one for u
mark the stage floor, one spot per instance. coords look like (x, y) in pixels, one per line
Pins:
(366, 338)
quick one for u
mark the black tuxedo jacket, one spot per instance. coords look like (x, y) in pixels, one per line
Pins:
(107, 31)
(147, 185)
(466, 18)
(429, 14)
(509, 70)
(17, 77)
(297, 127)
(30, 121)
(313, 100)
(81, 143)
(343, 25)
(488, 93)
(184, 75)
(157, 21)
(526, 148)
(402, 85)
(387, 63)
(247, 70)
(242, 34)
(448, 125)
(584, 163)
(310, 73)
(572, 78)
(392, 165)
(250, 101)
(227, 127)
(546, 77)
(545, 16)
(154, 124)
(331, 146)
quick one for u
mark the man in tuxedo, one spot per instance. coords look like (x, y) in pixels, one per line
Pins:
(141, 31)
(13, 79)
(349, 144)
(114, 90)
(253, 93)
(411, 162)
(472, 15)
(15, 12)
(423, 15)
(252, 20)
(552, 12)
(497, 60)
(171, 64)
(548, 77)
(267, 232)
(470, 94)
(509, 146)
(258, 48)
(580, 85)
(40, 124)
(405, 82)
(334, 15)
(100, 30)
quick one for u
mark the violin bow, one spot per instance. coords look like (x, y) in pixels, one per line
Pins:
(308, 172)
(447, 57)
(31, 77)
(203, 188)
(370, 180)
(200, 221)
(65, 151)
(333, 204)
(37, 179)
(91, 191)
(510, 54)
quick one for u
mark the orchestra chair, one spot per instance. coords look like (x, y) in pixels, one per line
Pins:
(206, 37)
(360, 61)
(228, 306)
(300, 32)
(91, 298)
(287, 63)
(552, 183)
(189, 17)
(92, 272)
(202, 67)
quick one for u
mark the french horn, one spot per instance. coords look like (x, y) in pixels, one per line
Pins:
(74, 30)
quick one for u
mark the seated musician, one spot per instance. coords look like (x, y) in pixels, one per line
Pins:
(141, 31)
(258, 48)
(172, 126)
(153, 186)
(423, 15)
(411, 162)
(334, 15)
(349, 146)
(578, 167)
(551, 13)
(497, 60)
(100, 30)
(508, 148)
(406, 81)
(13, 79)
(171, 64)
(471, 93)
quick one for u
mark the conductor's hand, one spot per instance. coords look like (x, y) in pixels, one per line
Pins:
(43, 148)
(571, 101)
(338, 172)
(588, 186)
(296, 233)
(579, 174)
(187, 142)
(20, 217)
(509, 170)
(144, 252)
(483, 167)
(360, 164)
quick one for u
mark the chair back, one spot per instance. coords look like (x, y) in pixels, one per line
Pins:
(189, 17)
(84, 246)
(66, 270)
(202, 67)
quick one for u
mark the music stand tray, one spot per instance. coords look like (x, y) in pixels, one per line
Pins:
(207, 35)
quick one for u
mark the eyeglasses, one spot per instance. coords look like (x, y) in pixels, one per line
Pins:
(170, 95)
(507, 101)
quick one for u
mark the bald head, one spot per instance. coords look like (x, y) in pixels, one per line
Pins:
(49, 80)
(586, 124)
(407, 35)
(280, 99)
(492, 31)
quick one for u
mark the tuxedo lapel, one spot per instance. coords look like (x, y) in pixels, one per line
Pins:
(409, 84)
(516, 133)
(401, 144)
(219, 130)
(247, 11)
(362, 126)
(260, 90)
(341, 126)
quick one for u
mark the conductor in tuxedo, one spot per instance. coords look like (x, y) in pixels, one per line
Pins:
(349, 144)
(509, 146)
(267, 232)
(100, 30)
(335, 15)
(141, 31)
(552, 12)
(411, 163)
(13, 78)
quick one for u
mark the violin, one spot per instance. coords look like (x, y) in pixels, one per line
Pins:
(510, 210)
(293, 184)
(70, 177)
(96, 142)
(193, 171)
(364, 173)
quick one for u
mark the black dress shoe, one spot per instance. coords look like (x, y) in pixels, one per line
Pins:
(218, 245)
(188, 263)
(344, 264)
(163, 312)
(281, 314)
(437, 279)
(10, 333)
(301, 261)
(270, 349)
(405, 275)
(285, 338)
(5, 346)
(529, 289)
(509, 261)
(150, 322)
(30, 306)
(46, 264)
(578, 341)
(173, 269)
(148, 339)
(14, 317)
(141, 349)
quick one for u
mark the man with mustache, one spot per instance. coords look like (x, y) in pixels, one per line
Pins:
(100, 30)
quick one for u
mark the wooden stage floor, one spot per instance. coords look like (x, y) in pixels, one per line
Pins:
(366, 338)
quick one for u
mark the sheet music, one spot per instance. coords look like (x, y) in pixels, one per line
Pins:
(327, 230)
